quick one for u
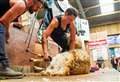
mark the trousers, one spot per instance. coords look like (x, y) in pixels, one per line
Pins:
(3, 56)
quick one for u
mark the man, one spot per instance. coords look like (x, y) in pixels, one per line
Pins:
(9, 10)
(54, 8)
(57, 30)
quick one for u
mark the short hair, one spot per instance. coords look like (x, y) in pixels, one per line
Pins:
(72, 11)
(41, 1)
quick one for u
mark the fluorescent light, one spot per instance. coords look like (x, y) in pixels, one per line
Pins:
(107, 6)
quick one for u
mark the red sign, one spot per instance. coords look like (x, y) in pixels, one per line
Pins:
(97, 43)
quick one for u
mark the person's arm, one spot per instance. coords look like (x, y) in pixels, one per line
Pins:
(16, 10)
(72, 35)
(47, 33)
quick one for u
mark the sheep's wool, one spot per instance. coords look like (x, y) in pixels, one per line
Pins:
(69, 63)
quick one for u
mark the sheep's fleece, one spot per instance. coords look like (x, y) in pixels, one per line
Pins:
(68, 63)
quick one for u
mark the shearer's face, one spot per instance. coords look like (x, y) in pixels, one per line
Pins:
(70, 19)
(35, 7)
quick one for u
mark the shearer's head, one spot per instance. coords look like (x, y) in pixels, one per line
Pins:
(36, 5)
(71, 14)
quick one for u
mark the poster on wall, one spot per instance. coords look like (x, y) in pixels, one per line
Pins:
(118, 39)
(98, 46)
(82, 27)
(100, 53)
(113, 39)
(117, 52)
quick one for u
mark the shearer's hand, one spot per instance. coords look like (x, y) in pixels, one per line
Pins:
(47, 57)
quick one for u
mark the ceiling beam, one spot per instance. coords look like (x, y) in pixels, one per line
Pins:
(100, 15)
(81, 9)
(95, 6)
(106, 23)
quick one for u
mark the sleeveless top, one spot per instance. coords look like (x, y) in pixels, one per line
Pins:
(59, 31)
(4, 7)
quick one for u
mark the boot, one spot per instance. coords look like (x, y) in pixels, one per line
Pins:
(8, 73)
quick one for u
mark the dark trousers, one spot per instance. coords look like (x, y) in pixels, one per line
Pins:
(113, 64)
(62, 41)
(3, 57)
